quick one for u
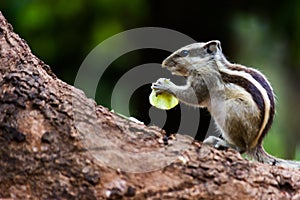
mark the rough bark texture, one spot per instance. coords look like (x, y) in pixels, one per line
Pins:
(43, 155)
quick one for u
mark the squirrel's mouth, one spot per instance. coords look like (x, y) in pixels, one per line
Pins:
(177, 70)
(169, 63)
(174, 67)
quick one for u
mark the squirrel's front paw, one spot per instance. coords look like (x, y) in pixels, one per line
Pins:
(162, 85)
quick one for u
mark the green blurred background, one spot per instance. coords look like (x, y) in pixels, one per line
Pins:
(262, 34)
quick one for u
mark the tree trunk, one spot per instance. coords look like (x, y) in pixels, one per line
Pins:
(55, 143)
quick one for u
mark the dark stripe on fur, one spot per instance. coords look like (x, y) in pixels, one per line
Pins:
(259, 78)
(249, 87)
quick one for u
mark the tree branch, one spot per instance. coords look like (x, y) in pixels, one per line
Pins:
(51, 146)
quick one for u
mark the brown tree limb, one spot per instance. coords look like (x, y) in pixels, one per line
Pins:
(44, 152)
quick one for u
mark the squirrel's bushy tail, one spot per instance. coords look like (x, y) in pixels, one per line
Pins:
(260, 155)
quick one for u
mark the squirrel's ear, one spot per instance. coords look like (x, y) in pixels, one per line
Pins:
(213, 46)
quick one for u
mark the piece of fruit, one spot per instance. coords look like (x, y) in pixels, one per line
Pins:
(164, 101)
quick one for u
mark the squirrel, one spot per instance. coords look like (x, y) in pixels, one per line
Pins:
(240, 99)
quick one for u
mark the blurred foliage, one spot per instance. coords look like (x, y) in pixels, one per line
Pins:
(262, 34)
(62, 32)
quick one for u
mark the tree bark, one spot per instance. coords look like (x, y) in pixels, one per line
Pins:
(50, 147)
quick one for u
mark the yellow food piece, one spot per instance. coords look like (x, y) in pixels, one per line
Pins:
(164, 101)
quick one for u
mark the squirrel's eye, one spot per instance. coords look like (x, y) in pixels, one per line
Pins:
(184, 53)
